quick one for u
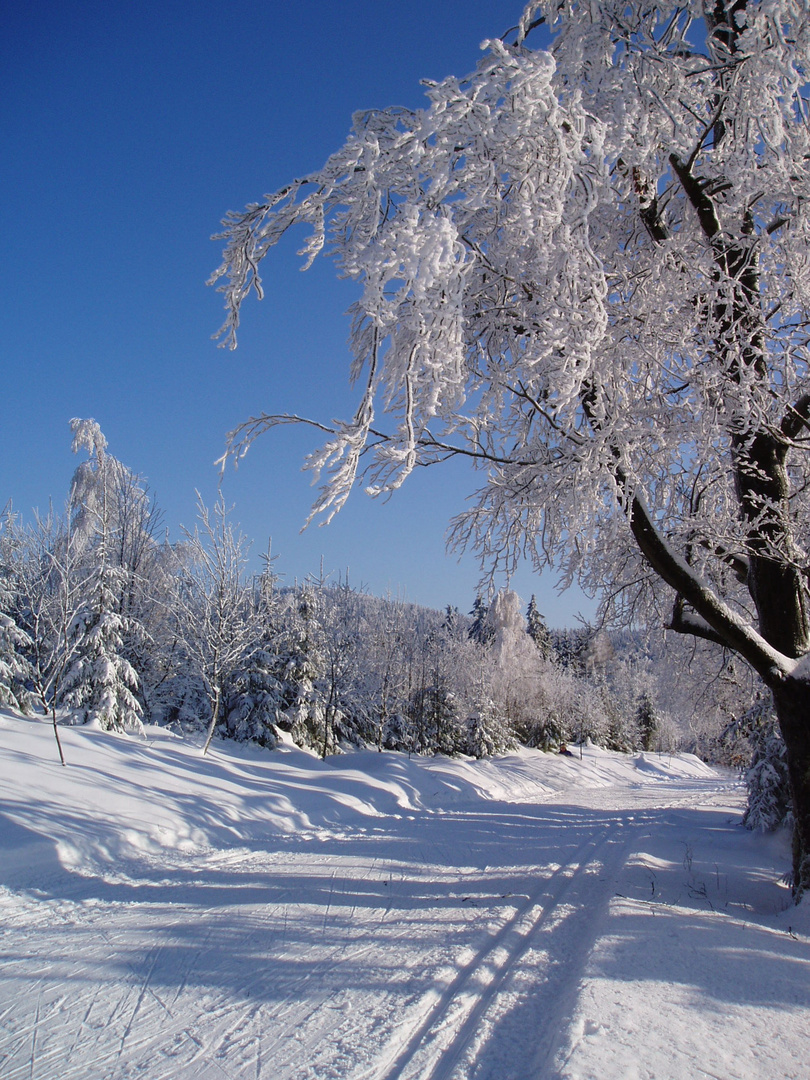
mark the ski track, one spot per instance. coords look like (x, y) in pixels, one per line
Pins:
(455, 952)
(440, 1025)
(491, 967)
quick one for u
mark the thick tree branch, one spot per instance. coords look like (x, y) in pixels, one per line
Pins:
(796, 418)
(730, 629)
(687, 622)
(696, 193)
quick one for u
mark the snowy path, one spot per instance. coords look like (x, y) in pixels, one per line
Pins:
(273, 918)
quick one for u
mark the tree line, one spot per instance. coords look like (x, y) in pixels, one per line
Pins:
(104, 621)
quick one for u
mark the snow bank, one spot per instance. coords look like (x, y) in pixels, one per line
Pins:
(122, 796)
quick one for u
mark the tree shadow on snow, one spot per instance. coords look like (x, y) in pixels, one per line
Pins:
(335, 914)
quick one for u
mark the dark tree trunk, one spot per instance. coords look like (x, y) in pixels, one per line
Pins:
(792, 702)
(759, 462)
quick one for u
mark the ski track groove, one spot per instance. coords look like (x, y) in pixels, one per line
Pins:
(192, 964)
(557, 1017)
(34, 1036)
(77, 1037)
(143, 990)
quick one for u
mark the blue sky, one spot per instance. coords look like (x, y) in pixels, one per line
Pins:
(128, 130)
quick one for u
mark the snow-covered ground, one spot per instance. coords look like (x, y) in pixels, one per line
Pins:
(271, 917)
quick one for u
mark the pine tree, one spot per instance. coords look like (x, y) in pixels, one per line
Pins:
(99, 687)
(480, 630)
(15, 668)
(769, 803)
(300, 666)
(254, 696)
(571, 648)
(396, 733)
(486, 733)
(647, 722)
(538, 631)
(14, 665)
(435, 721)
(767, 783)
(253, 699)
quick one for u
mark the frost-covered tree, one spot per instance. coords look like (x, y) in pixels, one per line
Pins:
(214, 603)
(340, 629)
(515, 662)
(52, 590)
(485, 733)
(387, 644)
(300, 665)
(585, 268)
(766, 778)
(254, 694)
(571, 648)
(100, 683)
(437, 703)
(114, 520)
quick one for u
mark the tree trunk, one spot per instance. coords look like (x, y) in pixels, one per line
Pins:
(56, 735)
(214, 716)
(792, 701)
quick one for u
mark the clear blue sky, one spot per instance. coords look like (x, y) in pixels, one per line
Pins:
(128, 130)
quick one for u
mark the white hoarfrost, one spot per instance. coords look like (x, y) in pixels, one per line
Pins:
(540, 287)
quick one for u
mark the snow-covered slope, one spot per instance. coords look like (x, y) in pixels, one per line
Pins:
(257, 915)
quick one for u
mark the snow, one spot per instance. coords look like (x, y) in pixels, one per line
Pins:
(267, 915)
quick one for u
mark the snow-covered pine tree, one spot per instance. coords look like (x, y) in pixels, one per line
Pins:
(99, 686)
(14, 665)
(254, 695)
(15, 643)
(571, 647)
(767, 783)
(647, 722)
(300, 666)
(479, 629)
(766, 779)
(538, 631)
(485, 733)
(435, 723)
(395, 733)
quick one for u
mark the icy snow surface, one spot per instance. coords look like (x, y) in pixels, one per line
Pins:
(266, 915)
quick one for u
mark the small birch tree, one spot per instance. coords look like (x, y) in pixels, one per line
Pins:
(216, 617)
